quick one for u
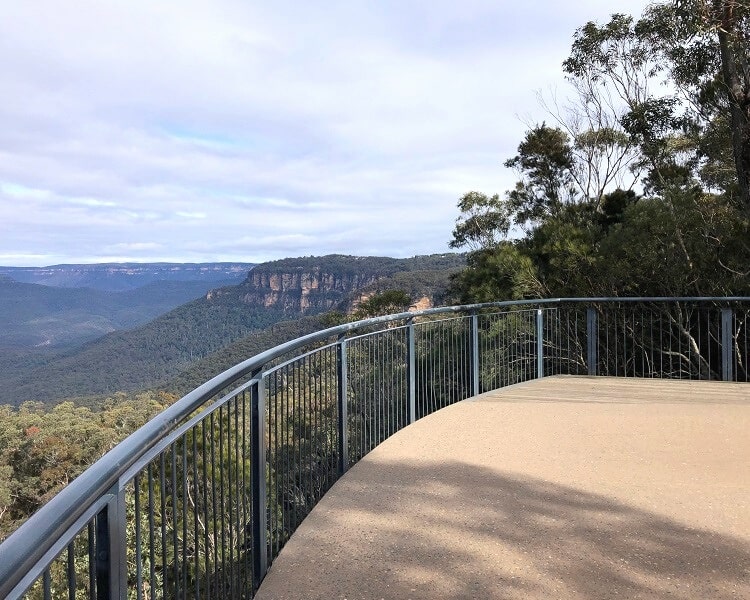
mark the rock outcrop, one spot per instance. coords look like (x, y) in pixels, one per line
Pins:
(301, 291)
(313, 285)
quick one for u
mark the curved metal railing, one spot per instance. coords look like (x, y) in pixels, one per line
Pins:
(199, 501)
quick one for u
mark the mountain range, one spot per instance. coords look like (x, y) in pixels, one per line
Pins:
(224, 322)
(65, 305)
(115, 277)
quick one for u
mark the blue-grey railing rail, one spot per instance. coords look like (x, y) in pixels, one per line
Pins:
(199, 501)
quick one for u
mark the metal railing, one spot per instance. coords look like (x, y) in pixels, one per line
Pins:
(199, 501)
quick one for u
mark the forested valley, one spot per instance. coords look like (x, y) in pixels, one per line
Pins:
(61, 411)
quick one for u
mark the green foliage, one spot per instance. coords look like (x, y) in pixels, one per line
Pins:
(384, 303)
(686, 243)
(204, 369)
(42, 450)
(496, 274)
(716, 169)
(687, 234)
(544, 161)
(428, 283)
(699, 49)
(358, 265)
(613, 207)
(135, 359)
(482, 222)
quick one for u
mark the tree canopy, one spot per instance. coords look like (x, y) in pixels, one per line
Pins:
(637, 186)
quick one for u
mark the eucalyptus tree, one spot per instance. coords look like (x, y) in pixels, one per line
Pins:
(639, 185)
(682, 70)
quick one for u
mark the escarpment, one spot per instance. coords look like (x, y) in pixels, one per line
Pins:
(303, 291)
(311, 285)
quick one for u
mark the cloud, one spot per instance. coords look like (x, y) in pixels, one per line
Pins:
(190, 215)
(93, 202)
(137, 246)
(344, 126)
(15, 190)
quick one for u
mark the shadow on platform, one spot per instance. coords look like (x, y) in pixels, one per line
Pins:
(454, 530)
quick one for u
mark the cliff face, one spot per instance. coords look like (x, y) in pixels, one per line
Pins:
(311, 285)
(302, 291)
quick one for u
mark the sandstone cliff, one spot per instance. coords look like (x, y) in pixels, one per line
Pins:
(303, 291)
(313, 285)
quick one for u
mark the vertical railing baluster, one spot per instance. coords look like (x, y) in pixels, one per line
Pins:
(592, 340)
(103, 566)
(111, 551)
(411, 369)
(246, 546)
(91, 545)
(101, 554)
(46, 584)
(474, 354)
(196, 520)
(151, 530)
(138, 537)
(222, 506)
(727, 347)
(238, 497)
(539, 344)
(119, 544)
(343, 417)
(258, 429)
(207, 540)
(72, 583)
(214, 510)
(175, 521)
(184, 514)
(227, 464)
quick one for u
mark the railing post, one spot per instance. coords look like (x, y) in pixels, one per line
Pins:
(110, 557)
(592, 340)
(103, 566)
(727, 346)
(119, 546)
(539, 344)
(259, 510)
(474, 355)
(411, 370)
(342, 382)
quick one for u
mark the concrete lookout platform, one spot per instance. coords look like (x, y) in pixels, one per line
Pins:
(565, 487)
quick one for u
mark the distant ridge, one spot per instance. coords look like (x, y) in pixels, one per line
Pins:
(37, 316)
(115, 277)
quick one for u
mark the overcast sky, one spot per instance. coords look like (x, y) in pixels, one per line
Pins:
(223, 130)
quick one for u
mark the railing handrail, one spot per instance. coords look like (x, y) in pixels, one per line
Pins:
(33, 539)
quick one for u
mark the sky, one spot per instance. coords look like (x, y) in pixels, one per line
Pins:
(240, 130)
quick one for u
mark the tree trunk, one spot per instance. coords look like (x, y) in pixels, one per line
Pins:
(738, 90)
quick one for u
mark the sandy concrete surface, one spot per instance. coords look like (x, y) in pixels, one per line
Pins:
(560, 488)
